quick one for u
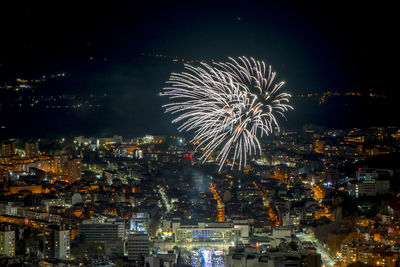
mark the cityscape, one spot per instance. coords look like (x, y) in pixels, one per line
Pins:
(313, 196)
(156, 134)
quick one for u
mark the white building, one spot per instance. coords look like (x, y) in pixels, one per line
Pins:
(368, 188)
(57, 243)
(281, 232)
(62, 246)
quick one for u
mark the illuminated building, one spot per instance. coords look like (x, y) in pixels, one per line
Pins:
(31, 149)
(306, 214)
(7, 242)
(139, 222)
(53, 202)
(57, 243)
(138, 154)
(148, 138)
(138, 245)
(109, 141)
(209, 232)
(45, 163)
(368, 187)
(291, 218)
(369, 253)
(8, 148)
(73, 170)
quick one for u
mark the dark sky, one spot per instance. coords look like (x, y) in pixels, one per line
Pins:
(313, 46)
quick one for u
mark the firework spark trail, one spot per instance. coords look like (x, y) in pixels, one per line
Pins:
(228, 106)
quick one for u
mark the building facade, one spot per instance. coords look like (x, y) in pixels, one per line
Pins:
(7, 243)
(138, 245)
(57, 243)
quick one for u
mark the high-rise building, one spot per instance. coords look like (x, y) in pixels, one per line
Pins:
(100, 231)
(73, 170)
(138, 245)
(8, 148)
(108, 233)
(57, 243)
(7, 242)
(31, 149)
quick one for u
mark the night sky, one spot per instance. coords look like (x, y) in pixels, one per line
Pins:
(313, 47)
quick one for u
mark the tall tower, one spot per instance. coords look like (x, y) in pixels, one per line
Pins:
(73, 170)
(57, 243)
(31, 149)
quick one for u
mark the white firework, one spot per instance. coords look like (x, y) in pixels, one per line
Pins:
(228, 105)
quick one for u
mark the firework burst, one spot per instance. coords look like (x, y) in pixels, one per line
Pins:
(228, 105)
